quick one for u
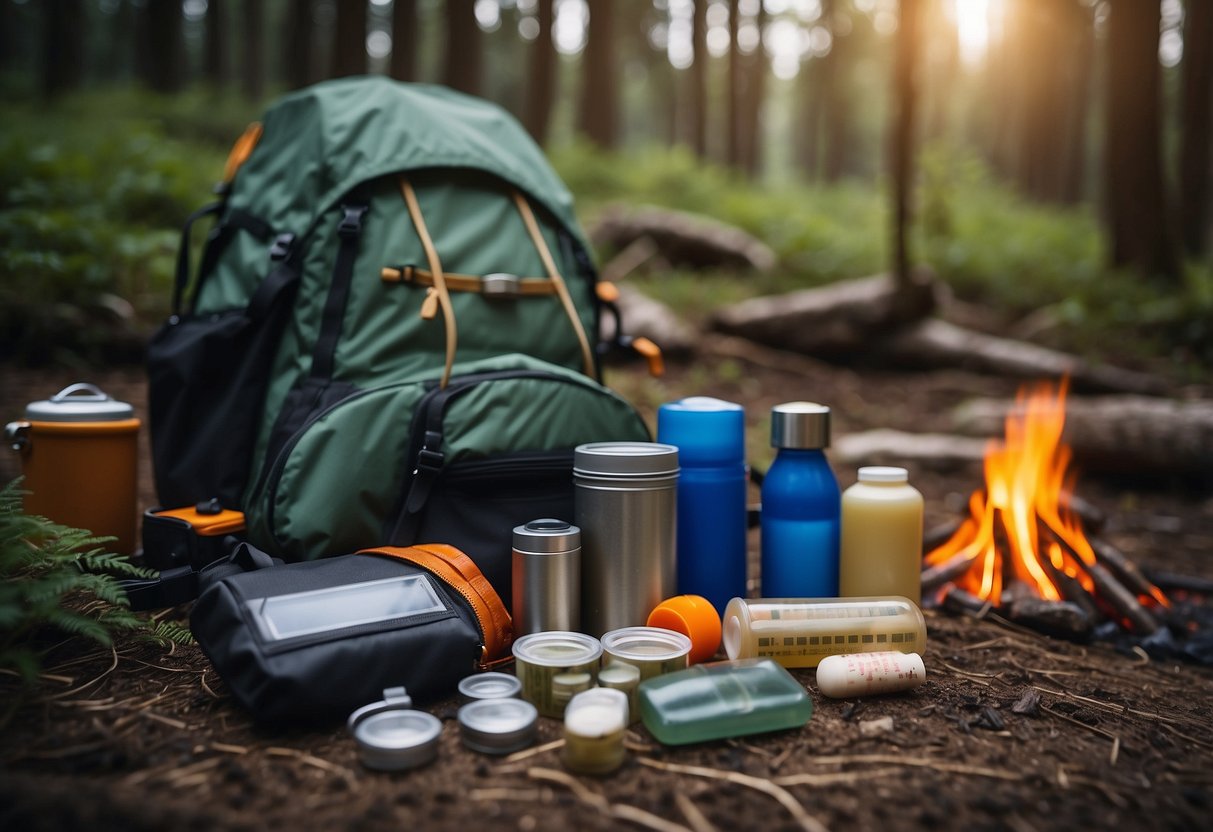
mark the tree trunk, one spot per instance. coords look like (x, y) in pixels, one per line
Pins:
(598, 116)
(905, 94)
(165, 42)
(1197, 101)
(462, 60)
(732, 150)
(944, 71)
(349, 39)
(834, 95)
(297, 59)
(1137, 205)
(404, 40)
(699, 79)
(62, 46)
(805, 143)
(541, 89)
(253, 72)
(1082, 29)
(755, 92)
(214, 58)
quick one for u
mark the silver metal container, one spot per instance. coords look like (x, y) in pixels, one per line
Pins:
(625, 501)
(546, 577)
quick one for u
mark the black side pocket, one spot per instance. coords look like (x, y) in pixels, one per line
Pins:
(207, 377)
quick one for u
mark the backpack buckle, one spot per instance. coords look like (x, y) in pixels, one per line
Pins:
(351, 221)
(282, 246)
(499, 285)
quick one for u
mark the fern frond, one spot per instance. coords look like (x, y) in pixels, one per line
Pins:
(169, 632)
(112, 564)
(78, 625)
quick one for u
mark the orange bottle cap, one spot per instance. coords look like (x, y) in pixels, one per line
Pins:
(693, 616)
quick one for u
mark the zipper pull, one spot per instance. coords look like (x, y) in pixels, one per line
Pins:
(429, 306)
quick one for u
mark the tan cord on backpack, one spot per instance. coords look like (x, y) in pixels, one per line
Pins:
(431, 255)
(562, 291)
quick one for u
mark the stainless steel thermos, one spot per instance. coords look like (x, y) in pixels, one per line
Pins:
(546, 577)
(625, 501)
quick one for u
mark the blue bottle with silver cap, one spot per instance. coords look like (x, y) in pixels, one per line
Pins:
(800, 506)
(710, 436)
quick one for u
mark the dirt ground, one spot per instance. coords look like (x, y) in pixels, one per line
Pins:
(141, 737)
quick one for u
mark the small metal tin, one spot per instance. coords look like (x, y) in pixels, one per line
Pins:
(546, 577)
(491, 685)
(539, 657)
(392, 736)
(498, 726)
(651, 650)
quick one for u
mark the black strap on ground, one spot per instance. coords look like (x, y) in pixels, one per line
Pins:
(182, 584)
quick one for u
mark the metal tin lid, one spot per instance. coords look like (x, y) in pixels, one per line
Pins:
(498, 726)
(391, 736)
(547, 537)
(79, 403)
(626, 459)
(557, 648)
(803, 425)
(491, 685)
(645, 644)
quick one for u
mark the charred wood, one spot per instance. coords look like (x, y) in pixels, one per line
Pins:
(1125, 570)
(1122, 602)
(938, 535)
(1063, 619)
(1174, 581)
(955, 599)
(936, 576)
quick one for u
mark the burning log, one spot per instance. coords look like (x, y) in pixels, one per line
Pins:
(1072, 590)
(1183, 583)
(951, 569)
(1064, 619)
(1124, 603)
(1125, 570)
(955, 599)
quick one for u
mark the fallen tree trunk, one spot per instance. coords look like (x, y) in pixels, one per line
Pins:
(834, 320)
(681, 238)
(1118, 434)
(936, 343)
(895, 447)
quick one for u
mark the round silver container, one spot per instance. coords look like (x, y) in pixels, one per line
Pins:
(625, 498)
(498, 726)
(391, 736)
(546, 577)
(491, 685)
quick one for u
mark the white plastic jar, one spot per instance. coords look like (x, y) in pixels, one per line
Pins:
(881, 543)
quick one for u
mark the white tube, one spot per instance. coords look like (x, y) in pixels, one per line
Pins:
(868, 674)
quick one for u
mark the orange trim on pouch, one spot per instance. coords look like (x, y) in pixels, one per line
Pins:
(226, 521)
(461, 574)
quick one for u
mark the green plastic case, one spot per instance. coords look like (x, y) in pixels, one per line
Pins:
(723, 699)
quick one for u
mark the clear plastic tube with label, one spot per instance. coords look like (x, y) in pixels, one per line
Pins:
(800, 632)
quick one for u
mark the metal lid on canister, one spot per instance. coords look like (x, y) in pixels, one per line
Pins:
(547, 537)
(79, 403)
(392, 736)
(491, 685)
(625, 459)
(804, 425)
(498, 726)
(557, 648)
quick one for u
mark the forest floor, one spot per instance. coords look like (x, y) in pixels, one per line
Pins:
(143, 737)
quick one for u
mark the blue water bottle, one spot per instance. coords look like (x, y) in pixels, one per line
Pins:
(710, 435)
(800, 506)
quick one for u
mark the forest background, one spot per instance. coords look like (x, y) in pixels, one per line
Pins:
(1055, 155)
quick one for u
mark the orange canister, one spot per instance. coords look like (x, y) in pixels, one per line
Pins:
(79, 456)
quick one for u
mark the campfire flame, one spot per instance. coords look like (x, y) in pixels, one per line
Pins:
(1020, 535)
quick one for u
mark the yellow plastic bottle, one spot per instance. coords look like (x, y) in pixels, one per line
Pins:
(880, 551)
(800, 632)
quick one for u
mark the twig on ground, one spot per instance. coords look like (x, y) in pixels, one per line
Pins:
(692, 813)
(308, 759)
(579, 789)
(502, 793)
(916, 762)
(1093, 729)
(768, 787)
(91, 682)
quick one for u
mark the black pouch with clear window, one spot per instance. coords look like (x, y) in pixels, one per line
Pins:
(309, 642)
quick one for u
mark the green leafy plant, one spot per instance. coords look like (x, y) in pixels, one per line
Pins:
(59, 579)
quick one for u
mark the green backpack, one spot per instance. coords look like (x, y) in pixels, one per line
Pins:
(378, 247)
